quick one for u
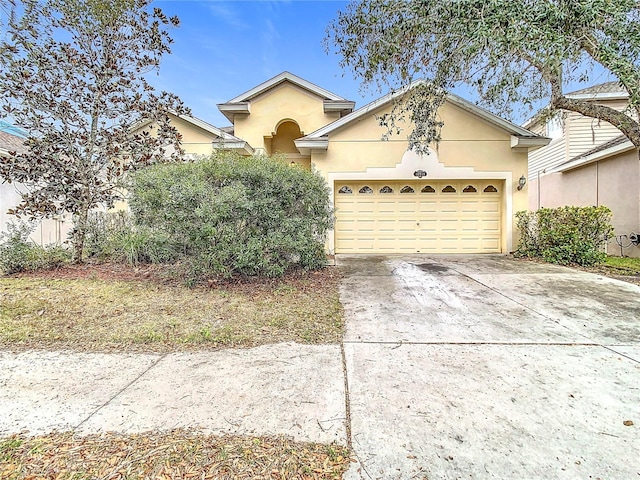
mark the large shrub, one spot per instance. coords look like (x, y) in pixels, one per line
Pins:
(230, 214)
(565, 235)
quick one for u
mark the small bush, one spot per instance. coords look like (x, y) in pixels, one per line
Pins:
(565, 235)
(236, 215)
(19, 254)
(113, 236)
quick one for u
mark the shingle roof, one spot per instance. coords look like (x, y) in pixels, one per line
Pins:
(614, 142)
(607, 87)
(11, 143)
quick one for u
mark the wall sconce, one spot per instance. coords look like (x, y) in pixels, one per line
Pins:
(292, 164)
(522, 182)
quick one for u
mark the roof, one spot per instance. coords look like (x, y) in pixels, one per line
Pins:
(617, 145)
(280, 78)
(599, 90)
(602, 91)
(11, 143)
(222, 133)
(489, 117)
(241, 103)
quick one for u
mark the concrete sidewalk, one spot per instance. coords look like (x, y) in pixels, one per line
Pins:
(290, 389)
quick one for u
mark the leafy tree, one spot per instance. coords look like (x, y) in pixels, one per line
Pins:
(73, 75)
(512, 52)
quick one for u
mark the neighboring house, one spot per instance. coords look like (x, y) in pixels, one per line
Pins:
(461, 198)
(589, 162)
(48, 231)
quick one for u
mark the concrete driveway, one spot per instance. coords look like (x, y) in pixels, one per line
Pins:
(486, 367)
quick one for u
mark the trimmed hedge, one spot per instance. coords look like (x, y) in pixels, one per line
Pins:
(565, 235)
(230, 214)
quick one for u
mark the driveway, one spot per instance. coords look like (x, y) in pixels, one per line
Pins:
(487, 367)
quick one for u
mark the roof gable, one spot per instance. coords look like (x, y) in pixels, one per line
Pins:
(241, 105)
(286, 77)
(319, 136)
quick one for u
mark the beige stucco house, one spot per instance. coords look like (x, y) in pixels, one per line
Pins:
(588, 162)
(461, 198)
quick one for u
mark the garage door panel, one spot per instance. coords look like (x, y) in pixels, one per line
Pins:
(433, 222)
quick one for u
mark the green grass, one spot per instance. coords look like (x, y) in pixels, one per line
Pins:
(625, 264)
(95, 314)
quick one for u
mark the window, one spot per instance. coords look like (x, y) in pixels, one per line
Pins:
(469, 189)
(448, 189)
(490, 189)
(407, 189)
(345, 190)
(386, 189)
(428, 189)
(366, 189)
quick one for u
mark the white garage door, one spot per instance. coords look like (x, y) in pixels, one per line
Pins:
(461, 216)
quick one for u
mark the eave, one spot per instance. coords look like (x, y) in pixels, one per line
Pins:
(341, 106)
(306, 145)
(234, 108)
(528, 144)
(240, 145)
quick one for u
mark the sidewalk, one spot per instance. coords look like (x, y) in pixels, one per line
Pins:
(290, 389)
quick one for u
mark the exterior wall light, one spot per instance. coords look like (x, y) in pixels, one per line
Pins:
(419, 173)
(522, 182)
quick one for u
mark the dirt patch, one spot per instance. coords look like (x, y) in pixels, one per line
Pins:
(176, 454)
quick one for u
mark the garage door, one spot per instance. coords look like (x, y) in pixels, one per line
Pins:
(418, 217)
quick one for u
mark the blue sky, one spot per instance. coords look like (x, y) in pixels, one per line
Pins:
(224, 48)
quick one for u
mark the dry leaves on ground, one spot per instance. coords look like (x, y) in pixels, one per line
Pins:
(178, 454)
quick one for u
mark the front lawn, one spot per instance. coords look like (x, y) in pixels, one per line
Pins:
(112, 308)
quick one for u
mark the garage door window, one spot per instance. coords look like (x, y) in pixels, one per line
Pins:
(386, 189)
(428, 189)
(345, 190)
(469, 189)
(490, 189)
(407, 189)
(365, 190)
(448, 189)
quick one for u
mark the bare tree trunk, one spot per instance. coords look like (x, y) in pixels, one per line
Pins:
(79, 234)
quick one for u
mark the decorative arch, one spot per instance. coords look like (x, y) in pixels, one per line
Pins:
(287, 130)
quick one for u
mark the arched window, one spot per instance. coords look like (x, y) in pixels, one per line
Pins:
(469, 189)
(345, 190)
(366, 189)
(428, 189)
(386, 189)
(407, 189)
(490, 189)
(448, 189)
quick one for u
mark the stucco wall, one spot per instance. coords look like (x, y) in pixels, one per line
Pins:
(283, 102)
(470, 148)
(614, 182)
